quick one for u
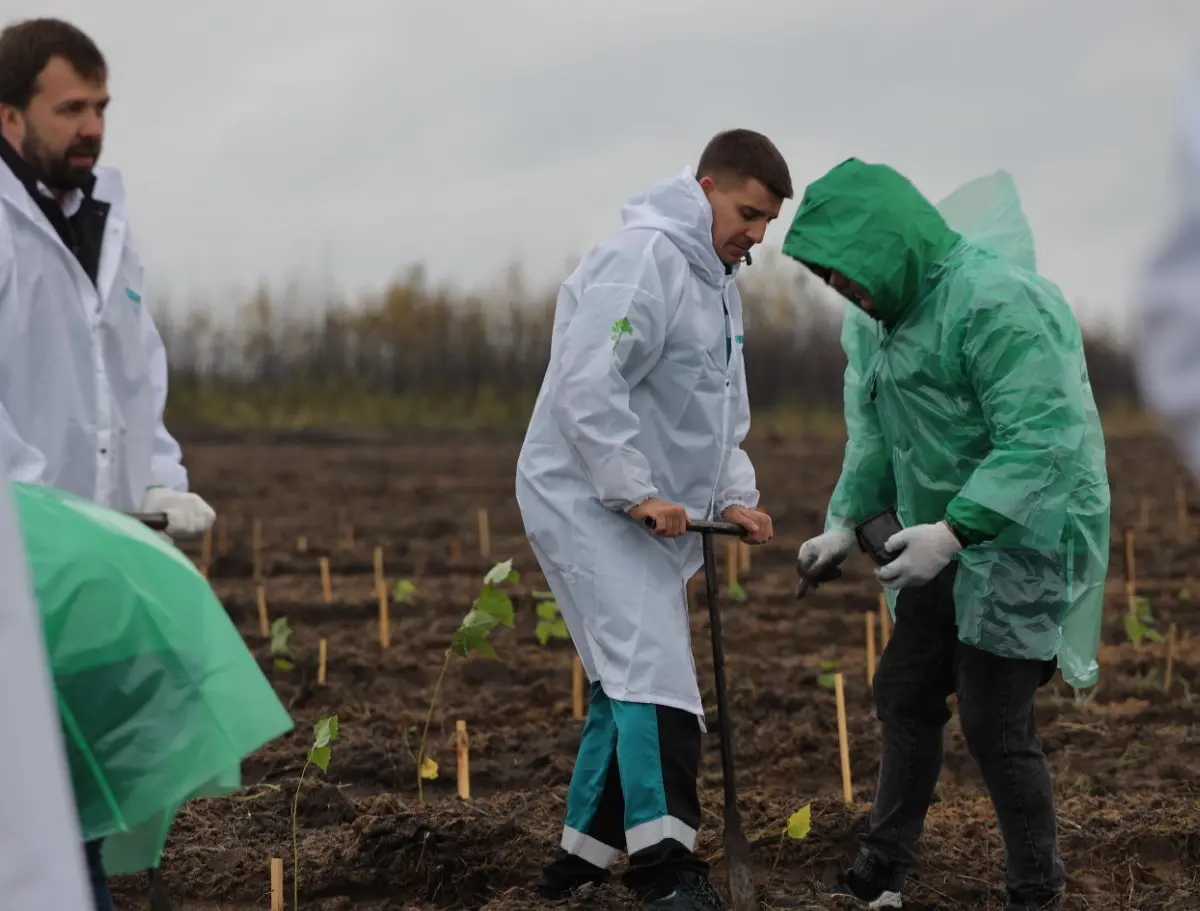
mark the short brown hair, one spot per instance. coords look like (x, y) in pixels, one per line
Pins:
(26, 47)
(744, 154)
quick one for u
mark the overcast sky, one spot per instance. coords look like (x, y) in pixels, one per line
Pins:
(296, 139)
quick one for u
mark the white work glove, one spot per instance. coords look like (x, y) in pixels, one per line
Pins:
(824, 552)
(187, 514)
(925, 550)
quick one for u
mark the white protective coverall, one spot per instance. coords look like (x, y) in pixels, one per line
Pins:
(644, 396)
(83, 371)
(1168, 325)
(41, 861)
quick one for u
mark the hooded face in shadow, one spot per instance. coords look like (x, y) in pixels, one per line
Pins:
(871, 236)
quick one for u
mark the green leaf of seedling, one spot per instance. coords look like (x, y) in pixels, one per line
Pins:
(799, 824)
(547, 610)
(283, 664)
(1135, 630)
(1184, 595)
(404, 592)
(828, 670)
(280, 633)
(543, 596)
(551, 629)
(501, 573)
(1153, 635)
(737, 594)
(472, 635)
(325, 731)
(496, 604)
(320, 756)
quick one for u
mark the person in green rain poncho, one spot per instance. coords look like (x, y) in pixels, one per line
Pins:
(969, 411)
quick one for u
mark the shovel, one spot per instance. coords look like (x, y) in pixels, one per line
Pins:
(737, 847)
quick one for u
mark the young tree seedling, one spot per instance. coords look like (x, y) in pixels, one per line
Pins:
(1140, 623)
(404, 592)
(799, 824)
(550, 623)
(826, 678)
(325, 732)
(280, 633)
(493, 606)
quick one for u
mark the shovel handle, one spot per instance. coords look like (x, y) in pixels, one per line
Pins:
(706, 527)
(156, 521)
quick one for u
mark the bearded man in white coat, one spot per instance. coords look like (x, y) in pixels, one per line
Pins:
(83, 373)
(641, 416)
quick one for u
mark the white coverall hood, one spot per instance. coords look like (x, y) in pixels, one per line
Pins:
(644, 396)
(680, 210)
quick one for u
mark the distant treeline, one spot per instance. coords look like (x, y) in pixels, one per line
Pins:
(418, 355)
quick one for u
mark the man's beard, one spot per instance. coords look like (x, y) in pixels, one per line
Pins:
(56, 171)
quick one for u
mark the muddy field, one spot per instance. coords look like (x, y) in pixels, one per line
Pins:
(1127, 763)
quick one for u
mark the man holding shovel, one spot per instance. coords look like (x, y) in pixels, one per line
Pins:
(970, 413)
(641, 416)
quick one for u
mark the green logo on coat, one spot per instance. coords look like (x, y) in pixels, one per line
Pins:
(133, 296)
(621, 327)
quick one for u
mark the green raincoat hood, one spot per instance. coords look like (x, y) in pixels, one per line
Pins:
(870, 223)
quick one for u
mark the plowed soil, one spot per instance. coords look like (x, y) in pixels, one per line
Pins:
(1126, 762)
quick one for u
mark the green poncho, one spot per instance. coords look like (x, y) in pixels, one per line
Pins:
(159, 697)
(969, 400)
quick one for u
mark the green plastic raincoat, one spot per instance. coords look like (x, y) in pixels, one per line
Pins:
(968, 400)
(160, 699)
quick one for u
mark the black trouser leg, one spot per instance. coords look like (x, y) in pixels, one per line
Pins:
(996, 708)
(914, 679)
(658, 749)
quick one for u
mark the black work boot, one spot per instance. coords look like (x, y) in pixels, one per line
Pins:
(693, 892)
(566, 873)
(868, 884)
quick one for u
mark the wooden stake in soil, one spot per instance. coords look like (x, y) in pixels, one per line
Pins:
(385, 623)
(1130, 569)
(257, 548)
(379, 577)
(277, 903)
(885, 622)
(264, 622)
(843, 739)
(744, 554)
(577, 688)
(464, 760)
(485, 534)
(322, 653)
(869, 618)
(731, 563)
(1170, 646)
(326, 581)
